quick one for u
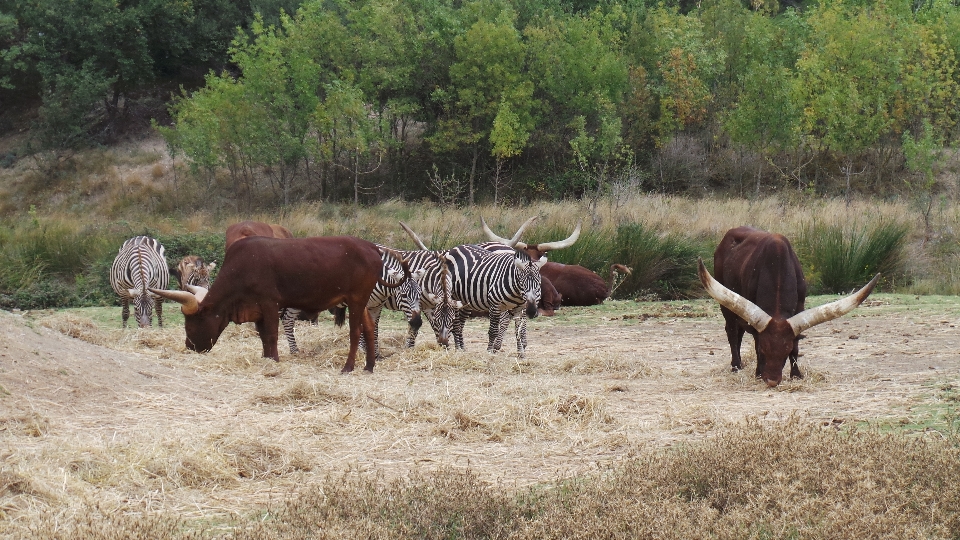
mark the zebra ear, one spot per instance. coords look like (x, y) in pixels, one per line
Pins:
(457, 304)
(211, 266)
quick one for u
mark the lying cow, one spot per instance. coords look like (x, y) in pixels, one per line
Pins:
(581, 286)
(761, 290)
(260, 274)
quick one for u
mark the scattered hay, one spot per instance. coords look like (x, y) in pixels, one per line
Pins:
(30, 424)
(304, 393)
(79, 327)
(254, 458)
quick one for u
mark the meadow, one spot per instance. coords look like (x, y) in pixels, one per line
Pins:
(624, 420)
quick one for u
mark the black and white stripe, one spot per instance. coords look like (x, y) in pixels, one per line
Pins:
(140, 265)
(504, 282)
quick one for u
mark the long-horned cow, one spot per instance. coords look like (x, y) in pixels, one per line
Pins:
(261, 274)
(579, 286)
(761, 290)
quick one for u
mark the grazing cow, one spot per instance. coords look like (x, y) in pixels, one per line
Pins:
(580, 286)
(192, 271)
(139, 265)
(260, 274)
(255, 228)
(761, 290)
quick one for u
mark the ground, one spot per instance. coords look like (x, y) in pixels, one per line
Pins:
(131, 419)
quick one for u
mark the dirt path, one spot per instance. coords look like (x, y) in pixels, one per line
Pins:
(132, 419)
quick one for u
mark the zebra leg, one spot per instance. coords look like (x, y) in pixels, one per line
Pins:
(499, 322)
(159, 303)
(375, 317)
(289, 318)
(458, 329)
(412, 332)
(125, 313)
(520, 320)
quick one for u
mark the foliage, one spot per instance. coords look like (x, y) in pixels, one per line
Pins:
(840, 259)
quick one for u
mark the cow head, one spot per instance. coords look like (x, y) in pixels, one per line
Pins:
(203, 324)
(776, 337)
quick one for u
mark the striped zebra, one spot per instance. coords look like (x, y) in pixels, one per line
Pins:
(404, 298)
(436, 284)
(192, 271)
(139, 265)
(503, 279)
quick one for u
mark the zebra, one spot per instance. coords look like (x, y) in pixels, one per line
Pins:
(192, 271)
(436, 284)
(404, 297)
(140, 265)
(502, 278)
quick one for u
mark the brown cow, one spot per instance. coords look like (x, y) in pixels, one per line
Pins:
(255, 228)
(192, 271)
(260, 274)
(581, 286)
(761, 290)
(550, 299)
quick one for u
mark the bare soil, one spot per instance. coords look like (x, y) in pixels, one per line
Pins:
(89, 412)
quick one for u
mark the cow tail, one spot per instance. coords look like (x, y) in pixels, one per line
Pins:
(618, 274)
(339, 315)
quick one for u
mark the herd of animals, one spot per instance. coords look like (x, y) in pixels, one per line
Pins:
(268, 277)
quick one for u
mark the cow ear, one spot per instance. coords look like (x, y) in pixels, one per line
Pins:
(542, 261)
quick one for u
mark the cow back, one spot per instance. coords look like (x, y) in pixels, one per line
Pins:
(763, 268)
(578, 286)
(254, 228)
(310, 274)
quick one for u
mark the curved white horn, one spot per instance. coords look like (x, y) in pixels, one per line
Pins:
(187, 300)
(550, 246)
(745, 309)
(416, 239)
(199, 292)
(513, 242)
(827, 312)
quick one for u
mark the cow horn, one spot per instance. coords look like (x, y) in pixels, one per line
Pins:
(827, 312)
(550, 246)
(513, 242)
(199, 292)
(188, 301)
(743, 308)
(416, 239)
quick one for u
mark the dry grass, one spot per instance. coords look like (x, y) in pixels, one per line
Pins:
(623, 421)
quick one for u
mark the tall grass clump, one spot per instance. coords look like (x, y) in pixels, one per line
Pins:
(839, 259)
(663, 264)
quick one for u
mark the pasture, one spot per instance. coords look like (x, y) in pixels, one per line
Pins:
(624, 420)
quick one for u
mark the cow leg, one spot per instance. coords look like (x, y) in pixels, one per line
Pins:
(794, 357)
(269, 328)
(125, 312)
(289, 318)
(735, 338)
(457, 329)
(159, 303)
(360, 322)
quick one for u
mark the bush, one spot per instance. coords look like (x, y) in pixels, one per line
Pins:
(839, 260)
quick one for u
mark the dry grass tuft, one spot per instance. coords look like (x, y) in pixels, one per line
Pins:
(78, 327)
(30, 424)
(303, 393)
(254, 458)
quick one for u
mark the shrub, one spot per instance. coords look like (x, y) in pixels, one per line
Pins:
(840, 259)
